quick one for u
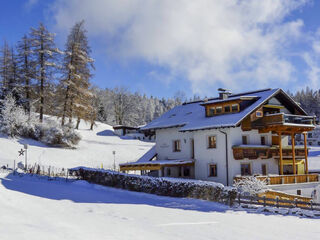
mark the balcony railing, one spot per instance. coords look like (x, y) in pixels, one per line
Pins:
(254, 152)
(282, 119)
(285, 179)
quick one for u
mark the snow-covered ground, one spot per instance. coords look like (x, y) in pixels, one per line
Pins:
(33, 208)
(95, 148)
(314, 158)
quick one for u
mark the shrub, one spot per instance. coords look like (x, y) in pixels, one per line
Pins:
(251, 185)
(16, 122)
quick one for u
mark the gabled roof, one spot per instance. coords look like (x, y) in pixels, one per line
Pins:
(191, 116)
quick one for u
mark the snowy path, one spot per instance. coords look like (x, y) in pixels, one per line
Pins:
(39, 209)
(94, 149)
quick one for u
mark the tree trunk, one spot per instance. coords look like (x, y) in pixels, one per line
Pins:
(70, 114)
(78, 122)
(91, 126)
(65, 106)
(41, 82)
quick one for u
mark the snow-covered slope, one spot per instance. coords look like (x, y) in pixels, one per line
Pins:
(40, 209)
(94, 149)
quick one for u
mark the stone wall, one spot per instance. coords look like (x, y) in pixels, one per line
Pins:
(172, 187)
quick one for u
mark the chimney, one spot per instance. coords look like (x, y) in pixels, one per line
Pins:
(224, 93)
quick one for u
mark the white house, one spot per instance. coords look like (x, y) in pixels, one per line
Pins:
(233, 135)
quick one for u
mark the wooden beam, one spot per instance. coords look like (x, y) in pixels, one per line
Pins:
(305, 152)
(293, 153)
(280, 154)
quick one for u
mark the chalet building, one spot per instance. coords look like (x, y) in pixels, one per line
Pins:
(225, 138)
(122, 130)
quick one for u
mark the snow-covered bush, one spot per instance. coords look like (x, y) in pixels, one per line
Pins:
(13, 118)
(187, 188)
(250, 185)
(53, 134)
(15, 121)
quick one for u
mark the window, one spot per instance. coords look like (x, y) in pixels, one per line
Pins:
(298, 191)
(234, 108)
(263, 140)
(176, 146)
(227, 109)
(245, 169)
(168, 171)
(186, 171)
(245, 139)
(180, 171)
(264, 169)
(218, 110)
(309, 135)
(258, 114)
(213, 170)
(212, 142)
(211, 111)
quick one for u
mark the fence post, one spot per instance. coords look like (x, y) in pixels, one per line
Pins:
(264, 200)
(295, 202)
(311, 204)
(277, 201)
(67, 175)
(239, 200)
(14, 167)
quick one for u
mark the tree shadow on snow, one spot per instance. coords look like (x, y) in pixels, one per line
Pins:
(84, 192)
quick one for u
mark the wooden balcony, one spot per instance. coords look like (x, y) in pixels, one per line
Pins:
(285, 179)
(286, 123)
(241, 152)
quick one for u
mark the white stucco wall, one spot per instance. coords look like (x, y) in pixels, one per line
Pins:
(205, 156)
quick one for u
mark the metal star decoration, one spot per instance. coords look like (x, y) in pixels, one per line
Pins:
(21, 152)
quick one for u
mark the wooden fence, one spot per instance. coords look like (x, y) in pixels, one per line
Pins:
(277, 202)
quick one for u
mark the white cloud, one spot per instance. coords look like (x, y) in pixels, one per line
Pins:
(211, 42)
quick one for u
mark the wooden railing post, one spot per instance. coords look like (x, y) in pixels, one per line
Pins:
(280, 154)
(305, 152)
(293, 153)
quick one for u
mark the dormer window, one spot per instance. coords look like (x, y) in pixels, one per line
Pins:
(218, 110)
(227, 109)
(235, 107)
(211, 111)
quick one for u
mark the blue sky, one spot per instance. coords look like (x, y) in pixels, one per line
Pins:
(160, 47)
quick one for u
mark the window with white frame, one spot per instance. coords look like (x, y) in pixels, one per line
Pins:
(213, 170)
(176, 146)
(264, 169)
(245, 169)
(212, 142)
(245, 139)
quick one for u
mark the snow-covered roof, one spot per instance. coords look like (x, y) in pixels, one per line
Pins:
(191, 116)
(148, 155)
(230, 98)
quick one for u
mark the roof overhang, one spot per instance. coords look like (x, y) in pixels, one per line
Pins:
(155, 165)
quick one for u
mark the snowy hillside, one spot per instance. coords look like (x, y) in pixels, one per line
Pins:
(94, 149)
(40, 209)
